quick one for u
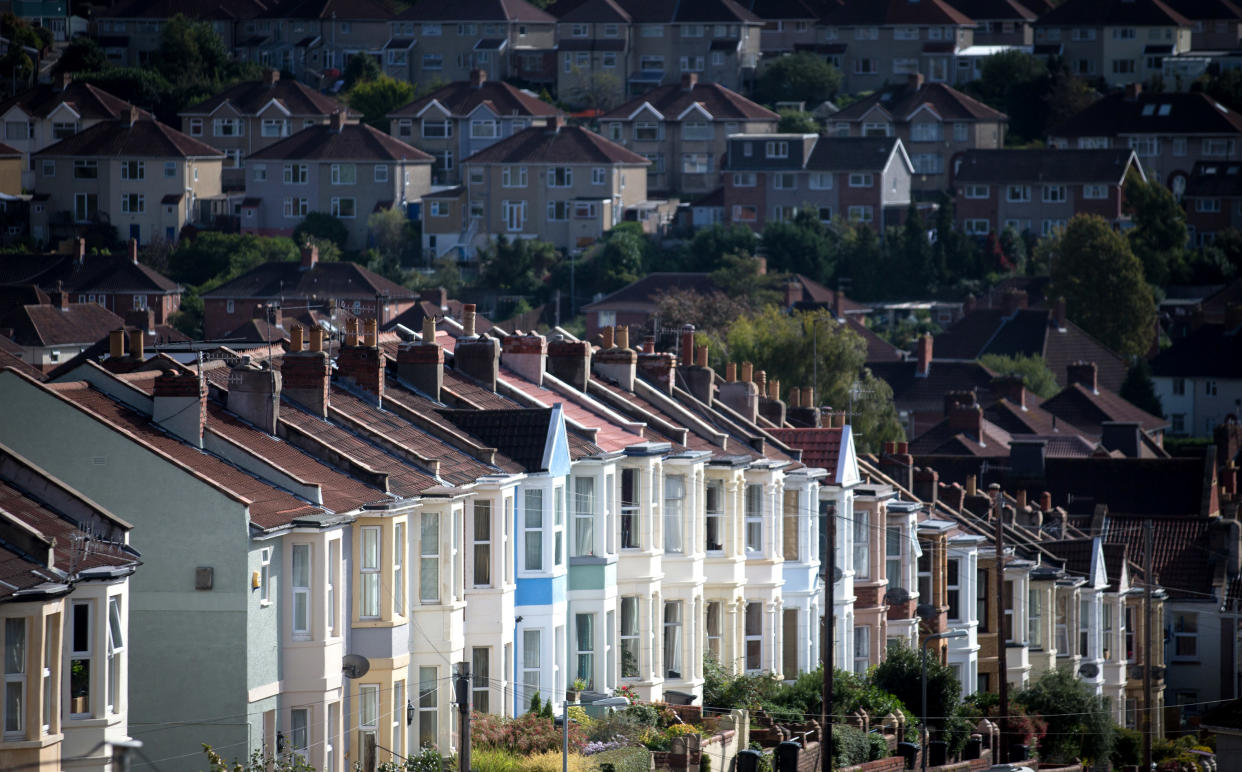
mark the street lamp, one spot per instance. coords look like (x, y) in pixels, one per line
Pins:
(959, 633)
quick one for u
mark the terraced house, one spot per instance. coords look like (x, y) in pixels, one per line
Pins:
(1121, 41)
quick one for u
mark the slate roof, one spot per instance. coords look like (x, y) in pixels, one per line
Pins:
(916, 394)
(901, 102)
(671, 100)
(117, 273)
(1215, 179)
(521, 434)
(475, 10)
(324, 280)
(943, 439)
(569, 145)
(1211, 351)
(89, 102)
(1076, 554)
(781, 9)
(1148, 113)
(1095, 13)
(656, 12)
(1000, 167)
(462, 97)
(878, 349)
(1032, 420)
(591, 11)
(1181, 548)
(269, 507)
(817, 294)
(1029, 331)
(145, 138)
(821, 447)
(251, 96)
(841, 154)
(1087, 410)
(48, 325)
(354, 142)
(608, 436)
(883, 12)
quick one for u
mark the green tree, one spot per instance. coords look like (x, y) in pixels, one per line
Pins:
(321, 225)
(797, 348)
(1159, 235)
(802, 245)
(375, 99)
(900, 674)
(617, 260)
(1036, 376)
(1079, 725)
(796, 122)
(592, 89)
(193, 58)
(1139, 390)
(212, 258)
(1096, 272)
(710, 245)
(1014, 83)
(518, 266)
(82, 54)
(393, 235)
(361, 68)
(738, 277)
(800, 77)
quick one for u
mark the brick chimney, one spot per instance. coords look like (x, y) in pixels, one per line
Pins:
(1014, 300)
(422, 364)
(969, 419)
(307, 375)
(689, 80)
(1058, 314)
(81, 251)
(133, 251)
(914, 81)
(436, 296)
(742, 396)
(1082, 372)
(897, 463)
(927, 486)
(620, 362)
(1133, 91)
(60, 296)
(1010, 387)
(699, 378)
(1124, 436)
(336, 121)
(793, 293)
(955, 399)
(659, 368)
(770, 405)
(310, 256)
(802, 410)
(570, 361)
(63, 81)
(180, 405)
(1026, 460)
(526, 355)
(271, 77)
(132, 116)
(477, 78)
(254, 395)
(923, 356)
(363, 363)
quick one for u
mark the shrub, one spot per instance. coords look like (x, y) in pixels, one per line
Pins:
(621, 725)
(526, 734)
(878, 747)
(596, 746)
(493, 760)
(550, 761)
(1128, 748)
(645, 715)
(849, 746)
(681, 730)
(631, 759)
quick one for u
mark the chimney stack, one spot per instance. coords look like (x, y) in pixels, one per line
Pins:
(422, 364)
(180, 405)
(699, 378)
(132, 116)
(310, 256)
(969, 419)
(1026, 459)
(477, 78)
(689, 80)
(64, 81)
(619, 363)
(1125, 436)
(478, 357)
(60, 296)
(116, 344)
(363, 364)
(436, 296)
(659, 368)
(254, 395)
(1133, 91)
(793, 293)
(742, 396)
(137, 344)
(1010, 387)
(271, 76)
(914, 81)
(1084, 373)
(897, 463)
(927, 486)
(526, 355)
(336, 122)
(923, 352)
(1014, 300)
(307, 375)
(955, 399)
(133, 251)
(570, 361)
(81, 250)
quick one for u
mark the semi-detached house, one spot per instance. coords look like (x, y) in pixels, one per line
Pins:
(1121, 41)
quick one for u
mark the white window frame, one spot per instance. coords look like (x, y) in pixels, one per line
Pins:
(300, 587)
(429, 558)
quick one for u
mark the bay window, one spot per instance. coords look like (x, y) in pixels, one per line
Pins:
(79, 661)
(714, 507)
(115, 652)
(532, 674)
(482, 543)
(301, 583)
(630, 509)
(369, 566)
(14, 676)
(429, 558)
(427, 706)
(753, 630)
(862, 535)
(533, 519)
(629, 637)
(480, 673)
(672, 639)
(674, 509)
(714, 625)
(584, 629)
(754, 518)
(398, 569)
(584, 516)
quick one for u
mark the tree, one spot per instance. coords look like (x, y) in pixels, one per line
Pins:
(900, 674)
(1036, 376)
(797, 122)
(321, 225)
(518, 266)
(212, 258)
(617, 260)
(800, 77)
(1079, 725)
(393, 235)
(361, 68)
(1138, 389)
(738, 277)
(375, 99)
(192, 56)
(796, 348)
(82, 54)
(592, 89)
(803, 245)
(1014, 82)
(1101, 280)
(1159, 235)
(710, 245)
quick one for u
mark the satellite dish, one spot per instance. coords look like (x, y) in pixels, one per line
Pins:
(896, 596)
(926, 611)
(355, 666)
(1089, 670)
(837, 574)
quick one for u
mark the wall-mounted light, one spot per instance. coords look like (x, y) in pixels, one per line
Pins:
(410, 713)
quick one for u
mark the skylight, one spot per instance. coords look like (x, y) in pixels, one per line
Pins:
(1165, 109)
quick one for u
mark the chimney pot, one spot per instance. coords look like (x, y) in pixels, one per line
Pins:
(310, 256)
(774, 389)
(295, 338)
(623, 336)
(371, 328)
(116, 344)
(748, 372)
(731, 372)
(687, 345)
(467, 320)
(316, 338)
(924, 356)
(351, 331)
(700, 356)
(607, 338)
(136, 344)
(429, 329)
(649, 345)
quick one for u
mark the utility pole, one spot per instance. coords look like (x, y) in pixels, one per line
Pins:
(826, 647)
(1002, 664)
(1148, 708)
(463, 705)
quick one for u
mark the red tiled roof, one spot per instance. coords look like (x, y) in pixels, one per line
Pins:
(855, 12)
(9, 360)
(821, 447)
(146, 138)
(354, 142)
(462, 97)
(269, 507)
(949, 103)
(47, 325)
(252, 96)
(671, 100)
(570, 144)
(1181, 552)
(476, 10)
(88, 101)
(609, 436)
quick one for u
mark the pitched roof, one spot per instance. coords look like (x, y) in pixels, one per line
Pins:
(1215, 179)
(781, 9)
(11, 360)
(117, 273)
(249, 97)
(671, 100)
(878, 349)
(926, 394)
(324, 280)
(475, 10)
(881, 12)
(89, 102)
(644, 291)
(521, 434)
(224, 10)
(462, 97)
(1043, 165)
(656, 12)
(363, 10)
(1210, 351)
(821, 447)
(1181, 548)
(902, 101)
(998, 10)
(353, 142)
(48, 325)
(1148, 113)
(1088, 410)
(1204, 10)
(605, 434)
(145, 138)
(569, 144)
(1138, 13)
(852, 153)
(591, 11)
